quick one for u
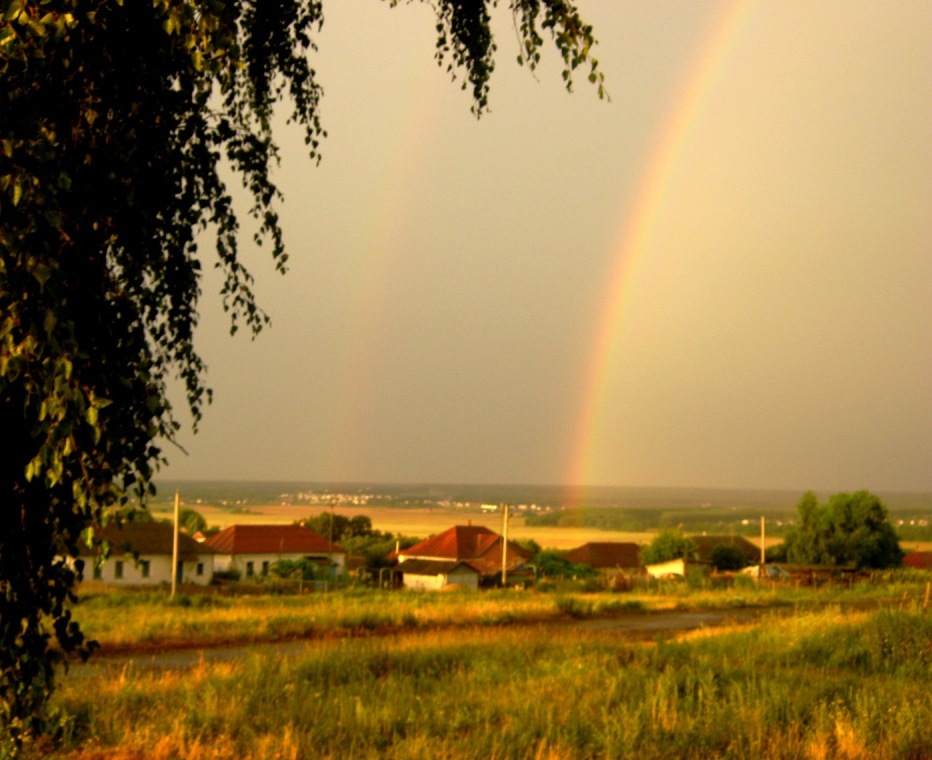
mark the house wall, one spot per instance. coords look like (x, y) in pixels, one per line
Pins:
(126, 571)
(461, 576)
(676, 567)
(423, 582)
(464, 577)
(262, 562)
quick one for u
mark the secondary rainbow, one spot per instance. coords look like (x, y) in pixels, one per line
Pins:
(637, 228)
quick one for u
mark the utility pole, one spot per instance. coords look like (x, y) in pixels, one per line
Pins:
(763, 545)
(505, 544)
(175, 545)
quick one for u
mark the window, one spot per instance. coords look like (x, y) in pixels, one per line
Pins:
(98, 572)
(265, 568)
(200, 568)
(250, 568)
(144, 568)
(118, 570)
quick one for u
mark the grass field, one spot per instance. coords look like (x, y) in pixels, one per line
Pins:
(823, 683)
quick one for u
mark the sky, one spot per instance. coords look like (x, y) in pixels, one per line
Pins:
(720, 278)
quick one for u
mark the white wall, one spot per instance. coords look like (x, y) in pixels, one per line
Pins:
(238, 562)
(133, 572)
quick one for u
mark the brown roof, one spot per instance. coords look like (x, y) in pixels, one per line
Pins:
(432, 566)
(270, 539)
(606, 554)
(145, 538)
(919, 560)
(476, 544)
(705, 545)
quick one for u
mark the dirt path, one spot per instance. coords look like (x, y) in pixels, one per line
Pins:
(634, 626)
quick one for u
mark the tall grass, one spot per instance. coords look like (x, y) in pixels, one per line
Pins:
(122, 619)
(818, 685)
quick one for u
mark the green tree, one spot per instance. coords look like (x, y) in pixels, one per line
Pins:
(727, 557)
(115, 120)
(668, 544)
(850, 529)
(191, 521)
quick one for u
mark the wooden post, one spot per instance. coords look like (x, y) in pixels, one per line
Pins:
(763, 542)
(505, 545)
(175, 545)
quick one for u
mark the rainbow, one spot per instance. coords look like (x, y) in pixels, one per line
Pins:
(638, 223)
(382, 238)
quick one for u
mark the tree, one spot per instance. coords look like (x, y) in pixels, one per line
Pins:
(668, 544)
(191, 521)
(850, 529)
(115, 119)
(727, 557)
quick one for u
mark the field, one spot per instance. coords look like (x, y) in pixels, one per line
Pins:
(417, 522)
(808, 673)
(424, 522)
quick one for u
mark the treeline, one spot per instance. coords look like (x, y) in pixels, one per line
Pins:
(731, 520)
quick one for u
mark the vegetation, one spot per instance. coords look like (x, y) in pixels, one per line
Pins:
(850, 529)
(670, 543)
(114, 123)
(818, 684)
(726, 557)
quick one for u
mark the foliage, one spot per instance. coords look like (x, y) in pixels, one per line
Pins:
(552, 564)
(115, 119)
(850, 529)
(727, 557)
(191, 521)
(668, 544)
(338, 528)
(303, 568)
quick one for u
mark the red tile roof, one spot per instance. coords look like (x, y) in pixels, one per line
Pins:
(145, 538)
(270, 539)
(475, 544)
(606, 554)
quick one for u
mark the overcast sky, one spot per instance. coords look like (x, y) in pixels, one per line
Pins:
(722, 277)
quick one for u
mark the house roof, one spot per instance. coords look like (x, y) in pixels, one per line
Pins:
(475, 544)
(433, 566)
(606, 554)
(705, 545)
(920, 560)
(458, 542)
(145, 538)
(271, 539)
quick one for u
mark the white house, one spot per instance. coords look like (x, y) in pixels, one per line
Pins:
(431, 575)
(253, 549)
(475, 546)
(140, 554)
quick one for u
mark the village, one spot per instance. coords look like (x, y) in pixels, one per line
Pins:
(465, 556)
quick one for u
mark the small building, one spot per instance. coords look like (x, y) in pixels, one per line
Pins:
(918, 560)
(706, 544)
(140, 554)
(432, 575)
(252, 549)
(677, 567)
(476, 545)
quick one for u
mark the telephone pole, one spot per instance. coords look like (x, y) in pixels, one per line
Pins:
(175, 545)
(504, 545)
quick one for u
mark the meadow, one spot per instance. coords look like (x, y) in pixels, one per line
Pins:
(822, 673)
